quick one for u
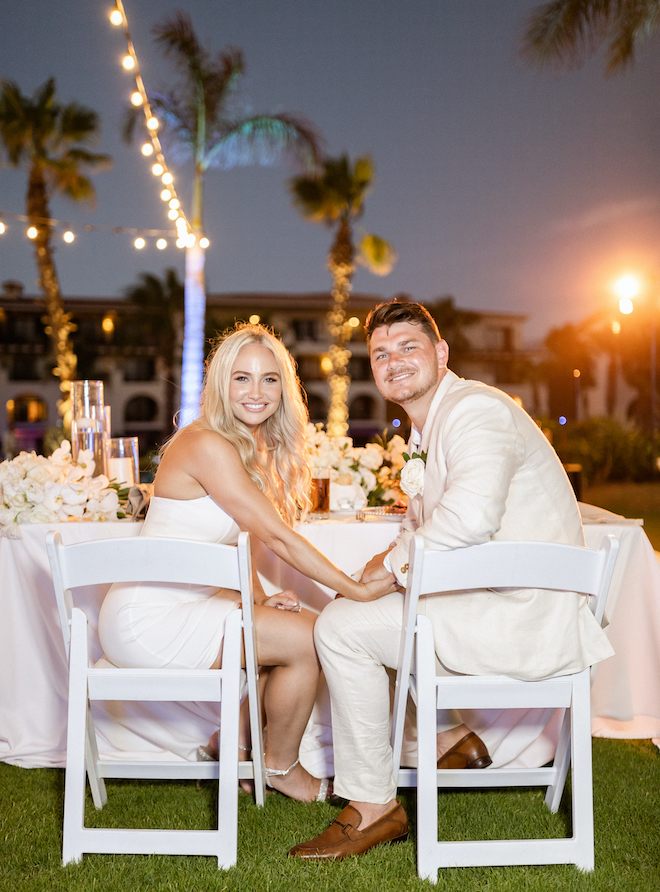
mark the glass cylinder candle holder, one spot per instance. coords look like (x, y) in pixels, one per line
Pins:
(123, 461)
(88, 422)
(320, 492)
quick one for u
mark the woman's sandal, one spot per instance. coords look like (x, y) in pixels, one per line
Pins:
(325, 789)
(206, 754)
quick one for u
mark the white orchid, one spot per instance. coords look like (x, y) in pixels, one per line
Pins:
(35, 489)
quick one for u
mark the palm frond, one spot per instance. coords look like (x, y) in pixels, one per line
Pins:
(263, 139)
(177, 37)
(78, 124)
(338, 190)
(377, 254)
(566, 32)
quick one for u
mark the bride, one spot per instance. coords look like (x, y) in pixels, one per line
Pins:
(240, 466)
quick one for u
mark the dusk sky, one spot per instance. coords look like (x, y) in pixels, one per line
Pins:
(508, 189)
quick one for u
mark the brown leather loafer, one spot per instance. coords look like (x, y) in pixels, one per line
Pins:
(469, 752)
(342, 838)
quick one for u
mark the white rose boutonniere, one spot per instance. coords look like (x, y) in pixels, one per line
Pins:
(412, 474)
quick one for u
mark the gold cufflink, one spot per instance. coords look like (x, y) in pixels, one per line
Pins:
(404, 569)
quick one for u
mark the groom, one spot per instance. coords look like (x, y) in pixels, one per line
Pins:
(489, 473)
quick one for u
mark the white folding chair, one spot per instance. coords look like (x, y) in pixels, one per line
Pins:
(498, 565)
(161, 560)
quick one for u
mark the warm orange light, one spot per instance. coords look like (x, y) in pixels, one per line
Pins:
(136, 98)
(32, 232)
(254, 319)
(326, 364)
(354, 321)
(68, 236)
(616, 327)
(167, 178)
(108, 324)
(3, 228)
(165, 195)
(161, 244)
(139, 243)
(128, 62)
(628, 286)
(173, 214)
(147, 149)
(576, 373)
(174, 203)
(116, 17)
(626, 306)
(152, 123)
(157, 169)
(204, 242)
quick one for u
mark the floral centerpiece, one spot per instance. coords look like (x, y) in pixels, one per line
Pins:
(375, 468)
(36, 489)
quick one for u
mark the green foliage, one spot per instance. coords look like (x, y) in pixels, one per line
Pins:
(606, 450)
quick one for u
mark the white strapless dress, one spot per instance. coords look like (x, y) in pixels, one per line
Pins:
(154, 626)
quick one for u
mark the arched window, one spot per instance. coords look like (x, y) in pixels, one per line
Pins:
(141, 408)
(317, 408)
(362, 407)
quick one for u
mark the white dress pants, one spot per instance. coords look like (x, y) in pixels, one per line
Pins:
(355, 642)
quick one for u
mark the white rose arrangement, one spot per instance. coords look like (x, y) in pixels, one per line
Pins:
(374, 468)
(412, 474)
(36, 489)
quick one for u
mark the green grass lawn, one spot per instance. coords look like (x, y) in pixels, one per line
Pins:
(627, 817)
(631, 500)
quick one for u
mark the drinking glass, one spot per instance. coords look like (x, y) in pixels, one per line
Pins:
(123, 461)
(320, 492)
(88, 421)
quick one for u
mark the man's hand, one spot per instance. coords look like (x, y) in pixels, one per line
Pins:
(375, 570)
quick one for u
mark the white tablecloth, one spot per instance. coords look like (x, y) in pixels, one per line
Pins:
(625, 699)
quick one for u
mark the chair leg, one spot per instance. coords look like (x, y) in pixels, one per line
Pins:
(582, 773)
(75, 779)
(562, 758)
(427, 791)
(227, 842)
(96, 782)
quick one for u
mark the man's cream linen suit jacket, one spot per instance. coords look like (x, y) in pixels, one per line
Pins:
(491, 474)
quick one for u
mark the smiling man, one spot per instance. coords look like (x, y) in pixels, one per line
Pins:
(487, 473)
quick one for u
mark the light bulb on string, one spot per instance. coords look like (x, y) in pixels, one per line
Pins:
(32, 232)
(136, 98)
(165, 195)
(174, 203)
(167, 178)
(204, 242)
(181, 243)
(128, 62)
(190, 240)
(161, 244)
(139, 243)
(152, 123)
(68, 236)
(147, 149)
(116, 17)
(3, 228)
(157, 169)
(173, 214)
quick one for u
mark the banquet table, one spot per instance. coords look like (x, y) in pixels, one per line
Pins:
(33, 693)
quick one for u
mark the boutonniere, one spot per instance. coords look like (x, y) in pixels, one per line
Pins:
(412, 474)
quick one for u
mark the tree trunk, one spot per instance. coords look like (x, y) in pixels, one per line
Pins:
(192, 365)
(58, 325)
(342, 267)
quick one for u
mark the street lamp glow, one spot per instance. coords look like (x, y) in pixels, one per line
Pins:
(626, 306)
(628, 286)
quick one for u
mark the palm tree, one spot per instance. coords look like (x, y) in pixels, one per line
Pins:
(200, 120)
(567, 31)
(336, 197)
(49, 139)
(161, 301)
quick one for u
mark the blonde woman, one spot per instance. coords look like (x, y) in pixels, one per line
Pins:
(240, 466)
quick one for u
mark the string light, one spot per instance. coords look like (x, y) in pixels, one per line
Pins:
(174, 203)
(161, 243)
(68, 236)
(3, 228)
(204, 242)
(139, 98)
(139, 243)
(173, 214)
(32, 232)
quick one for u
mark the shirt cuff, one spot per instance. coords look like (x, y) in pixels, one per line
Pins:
(387, 563)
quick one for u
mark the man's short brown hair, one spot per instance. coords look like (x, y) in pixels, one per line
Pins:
(391, 312)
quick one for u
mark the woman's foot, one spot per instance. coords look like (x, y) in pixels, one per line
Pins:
(209, 753)
(298, 784)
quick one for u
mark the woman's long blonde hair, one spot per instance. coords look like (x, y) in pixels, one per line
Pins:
(276, 458)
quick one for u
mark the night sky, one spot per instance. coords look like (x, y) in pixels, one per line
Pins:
(506, 188)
